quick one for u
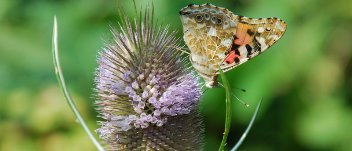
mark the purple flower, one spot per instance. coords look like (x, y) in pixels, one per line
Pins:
(145, 91)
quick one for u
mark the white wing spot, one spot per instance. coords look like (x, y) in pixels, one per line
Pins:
(243, 51)
(260, 30)
(278, 25)
(232, 24)
(212, 32)
(226, 42)
(263, 45)
(275, 37)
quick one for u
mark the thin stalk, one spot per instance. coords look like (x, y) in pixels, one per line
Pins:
(228, 110)
(60, 79)
(244, 135)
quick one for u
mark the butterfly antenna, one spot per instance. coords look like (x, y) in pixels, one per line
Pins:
(240, 100)
(244, 103)
(243, 90)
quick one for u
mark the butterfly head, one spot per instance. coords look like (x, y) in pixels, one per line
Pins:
(206, 15)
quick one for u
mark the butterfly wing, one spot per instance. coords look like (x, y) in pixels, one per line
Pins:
(253, 36)
(208, 32)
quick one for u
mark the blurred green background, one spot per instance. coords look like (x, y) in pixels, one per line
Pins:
(305, 79)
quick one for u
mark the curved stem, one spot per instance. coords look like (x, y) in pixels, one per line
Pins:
(60, 79)
(228, 110)
(244, 135)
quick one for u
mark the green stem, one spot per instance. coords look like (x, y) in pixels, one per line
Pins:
(228, 110)
(244, 135)
(60, 79)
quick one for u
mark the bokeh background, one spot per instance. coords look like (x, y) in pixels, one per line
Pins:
(305, 79)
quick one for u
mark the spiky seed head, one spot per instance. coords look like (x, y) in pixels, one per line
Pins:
(145, 93)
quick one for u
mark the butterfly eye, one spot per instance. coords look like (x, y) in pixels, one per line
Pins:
(219, 21)
(199, 18)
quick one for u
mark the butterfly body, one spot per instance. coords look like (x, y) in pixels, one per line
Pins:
(217, 38)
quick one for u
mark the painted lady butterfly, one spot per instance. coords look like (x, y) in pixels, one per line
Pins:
(217, 38)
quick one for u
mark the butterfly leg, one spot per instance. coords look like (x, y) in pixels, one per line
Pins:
(204, 90)
(213, 82)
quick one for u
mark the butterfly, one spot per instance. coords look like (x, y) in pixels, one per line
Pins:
(217, 38)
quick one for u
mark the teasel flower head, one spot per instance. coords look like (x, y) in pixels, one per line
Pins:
(146, 96)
